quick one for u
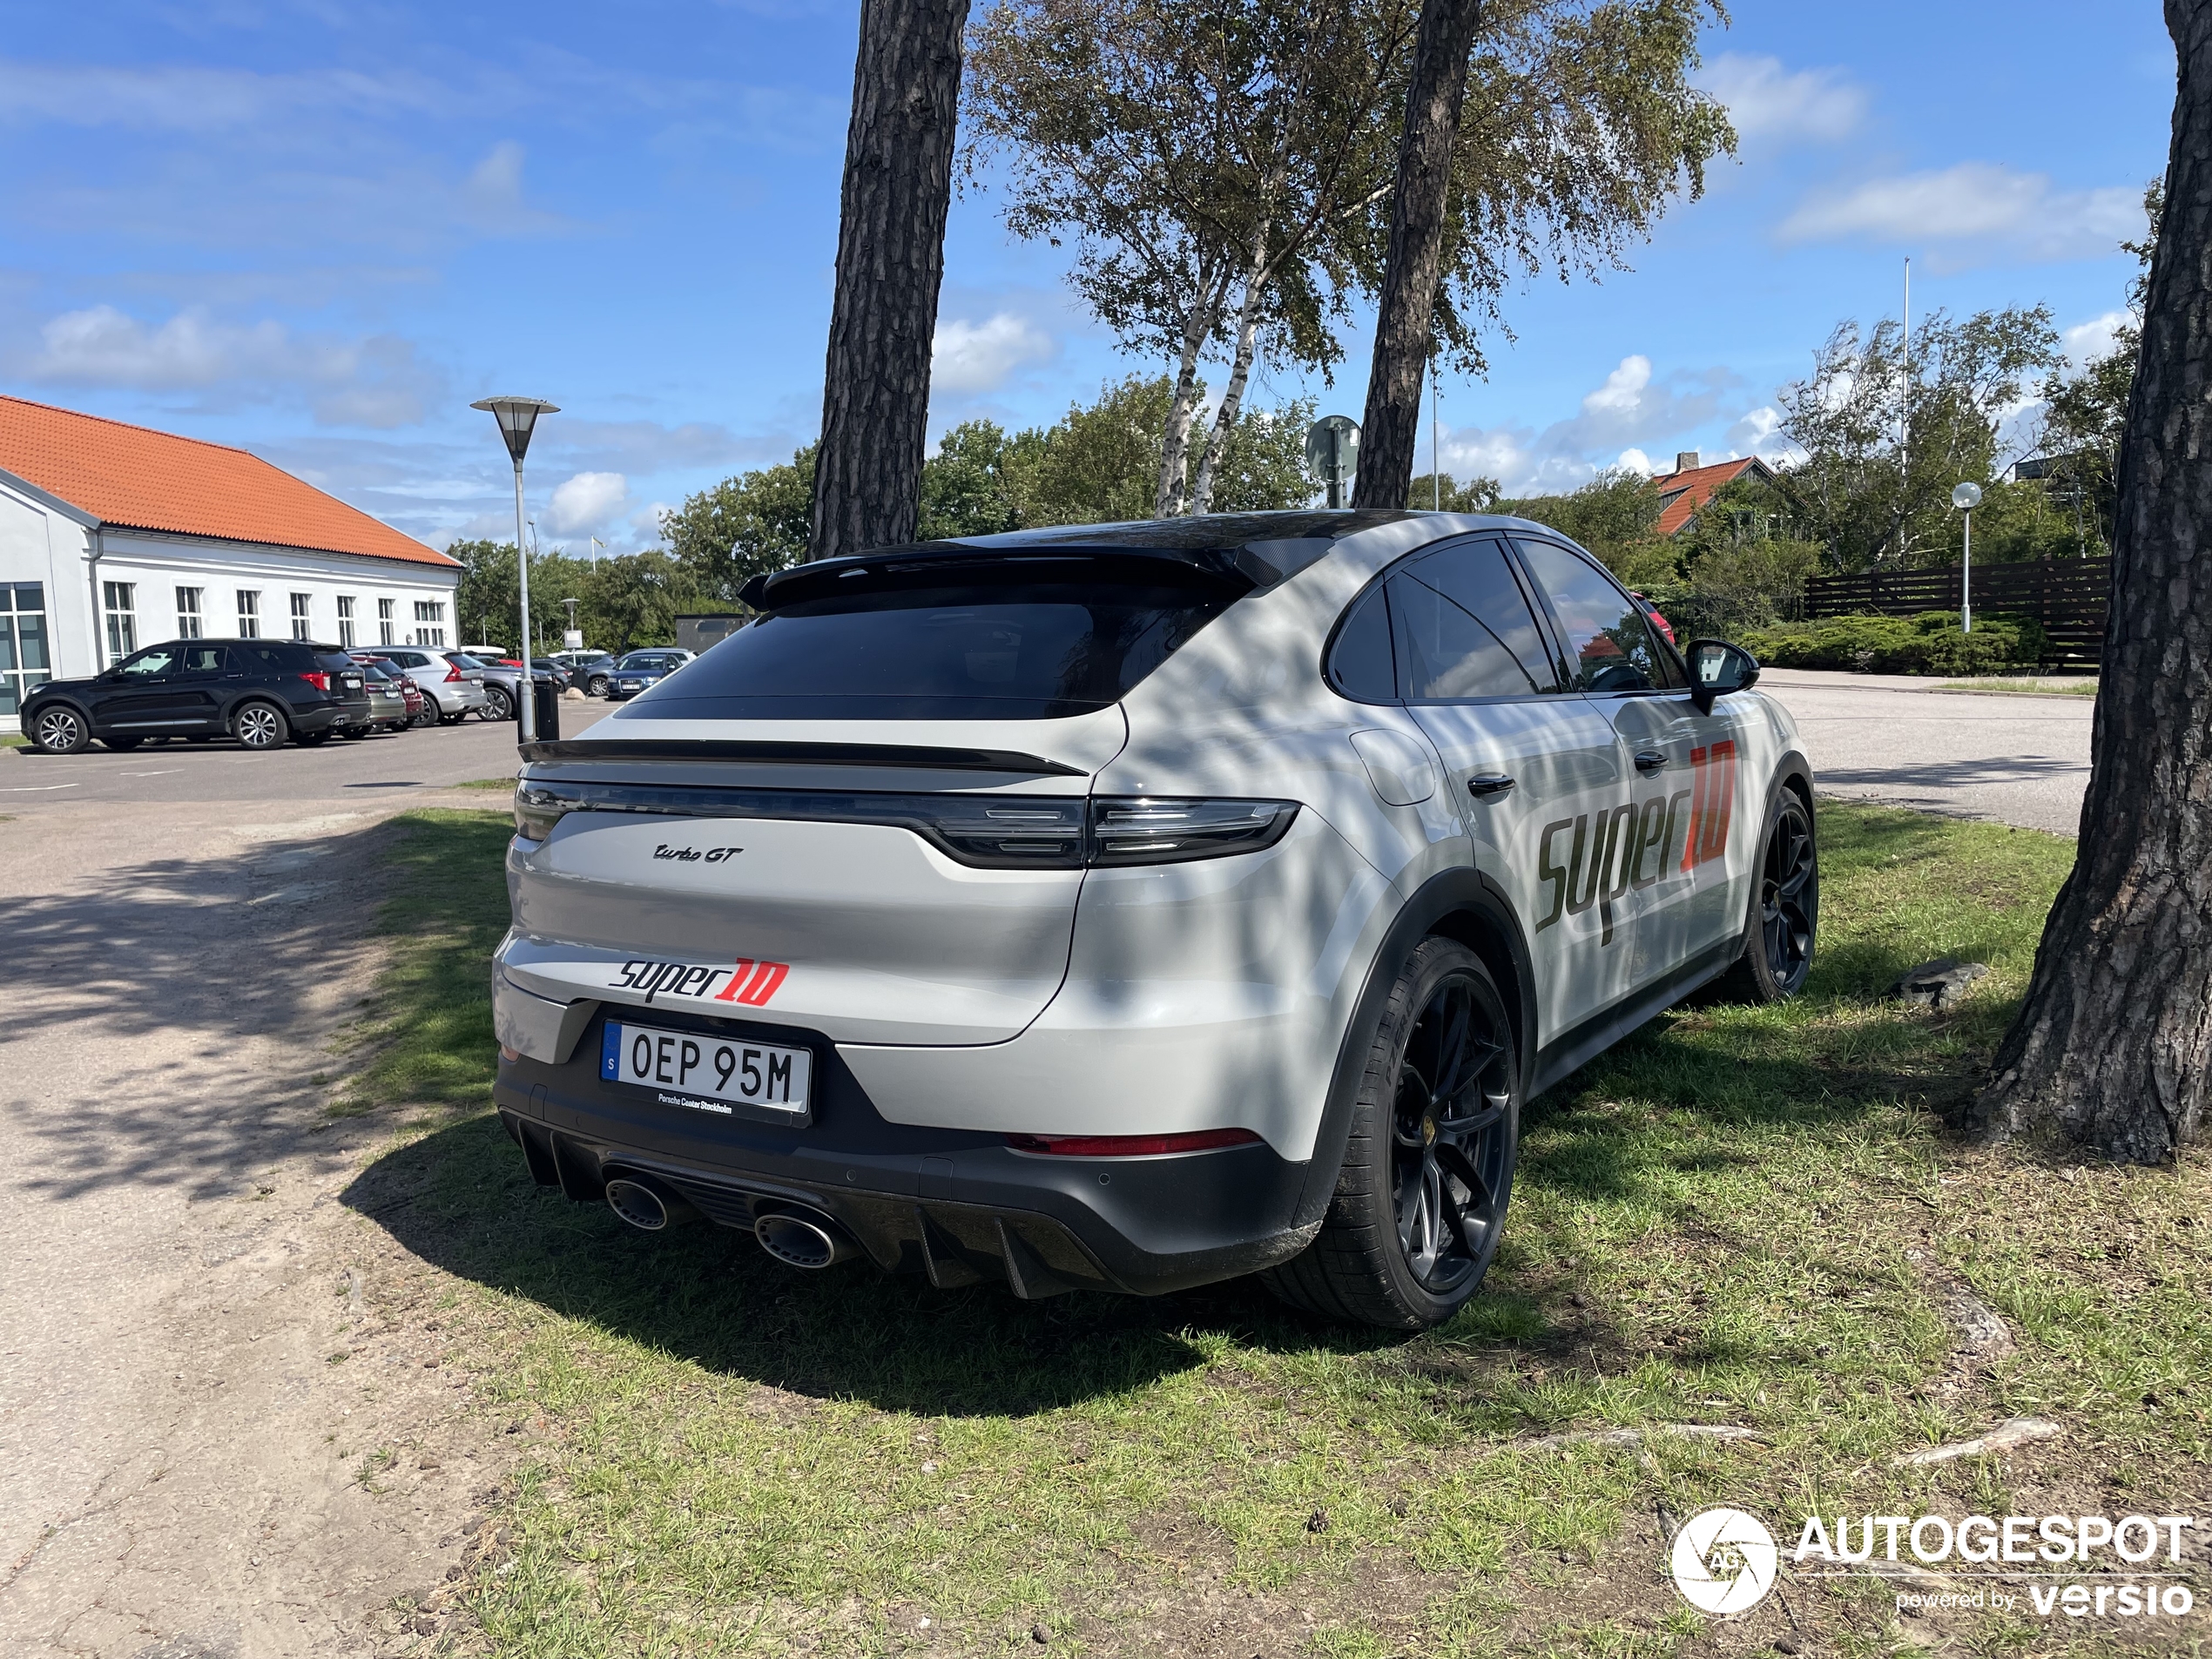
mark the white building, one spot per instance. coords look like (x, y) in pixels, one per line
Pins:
(114, 536)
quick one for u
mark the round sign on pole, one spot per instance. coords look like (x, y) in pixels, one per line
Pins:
(1332, 450)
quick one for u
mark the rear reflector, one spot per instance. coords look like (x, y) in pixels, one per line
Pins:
(1130, 1146)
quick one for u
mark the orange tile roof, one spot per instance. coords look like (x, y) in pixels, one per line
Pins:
(1684, 492)
(135, 478)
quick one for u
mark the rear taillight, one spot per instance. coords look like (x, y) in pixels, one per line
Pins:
(453, 673)
(985, 831)
(320, 680)
(1130, 1146)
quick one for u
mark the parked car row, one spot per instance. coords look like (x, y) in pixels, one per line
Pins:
(601, 673)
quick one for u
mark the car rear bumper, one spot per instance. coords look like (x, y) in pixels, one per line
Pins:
(330, 716)
(957, 1205)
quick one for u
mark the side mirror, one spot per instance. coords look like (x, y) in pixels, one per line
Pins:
(1717, 668)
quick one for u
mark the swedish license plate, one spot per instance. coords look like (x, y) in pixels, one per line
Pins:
(707, 1072)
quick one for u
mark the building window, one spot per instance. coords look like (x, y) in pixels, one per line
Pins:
(300, 629)
(119, 599)
(384, 622)
(429, 611)
(249, 614)
(346, 620)
(23, 644)
(188, 620)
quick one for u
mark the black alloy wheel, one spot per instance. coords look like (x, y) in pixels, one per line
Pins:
(1787, 897)
(1429, 1155)
(60, 730)
(1449, 1163)
(1784, 926)
(498, 705)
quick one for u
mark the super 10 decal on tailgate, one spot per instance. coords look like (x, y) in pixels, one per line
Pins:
(1631, 845)
(748, 981)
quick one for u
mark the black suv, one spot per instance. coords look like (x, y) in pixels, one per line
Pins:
(257, 691)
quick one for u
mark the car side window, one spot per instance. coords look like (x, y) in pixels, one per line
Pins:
(1360, 664)
(206, 659)
(1463, 628)
(263, 659)
(156, 662)
(1609, 644)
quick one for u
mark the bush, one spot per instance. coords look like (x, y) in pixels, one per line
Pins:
(1932, 643)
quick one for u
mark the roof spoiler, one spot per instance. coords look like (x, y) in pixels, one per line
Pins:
(929, 758)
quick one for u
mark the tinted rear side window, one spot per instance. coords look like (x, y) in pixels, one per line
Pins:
(261, 658)
(1464, 628)
(1027, 650)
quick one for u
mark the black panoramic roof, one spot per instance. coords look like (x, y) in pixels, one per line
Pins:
(1240, 551)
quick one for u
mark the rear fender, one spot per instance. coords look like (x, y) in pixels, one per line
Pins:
(1461, 904)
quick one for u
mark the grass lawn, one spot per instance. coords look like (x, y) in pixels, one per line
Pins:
(1744, 1218)
(14, 741)
(2077, 687)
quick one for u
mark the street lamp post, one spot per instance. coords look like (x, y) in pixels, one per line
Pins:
(516, 415)
(1965, 498)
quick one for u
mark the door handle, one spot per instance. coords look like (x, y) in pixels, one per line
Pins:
(1482, 786)
(1650, 760)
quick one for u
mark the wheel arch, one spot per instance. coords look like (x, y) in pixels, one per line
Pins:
(1458, 903)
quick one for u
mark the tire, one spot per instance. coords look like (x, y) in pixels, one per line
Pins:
(597, 686)
(1421, 1195)
(260, 726)
(60, 730)
(123, 746)
(1782, 926)
(498, 705)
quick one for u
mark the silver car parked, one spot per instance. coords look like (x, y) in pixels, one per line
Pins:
(1137, 905)
(457, 689)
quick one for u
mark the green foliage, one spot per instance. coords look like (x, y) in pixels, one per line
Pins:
(1478, 495)
(624, 600)
(1850, 493)
(746, 526)
(1932, 643)
(1614, 516)
(979, 482)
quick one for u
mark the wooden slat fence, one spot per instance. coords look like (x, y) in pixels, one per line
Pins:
(2067, 595)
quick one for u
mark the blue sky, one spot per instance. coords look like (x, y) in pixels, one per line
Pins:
(318, 229)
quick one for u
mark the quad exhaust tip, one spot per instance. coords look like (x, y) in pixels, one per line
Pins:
(638, 1204)
(801, 1240)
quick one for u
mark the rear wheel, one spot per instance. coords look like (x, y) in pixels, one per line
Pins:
(1785, 916)
(498, 705)
(258, 725)
(1429, 1165)
(61, 731)
(598, 686)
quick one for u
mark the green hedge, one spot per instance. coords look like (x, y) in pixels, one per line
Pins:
(1932, 643)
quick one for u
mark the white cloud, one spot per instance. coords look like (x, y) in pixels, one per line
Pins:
(1768, 102)
(1975, 202)
(2093, 338)
(583, 504)
(1633, 460)
(1630, 414)
(376, 382)
(969, 357)
(1758, 432)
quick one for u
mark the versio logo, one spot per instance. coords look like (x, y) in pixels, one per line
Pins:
(1724, 1561)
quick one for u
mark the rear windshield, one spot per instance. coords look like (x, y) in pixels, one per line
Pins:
(1005, 652)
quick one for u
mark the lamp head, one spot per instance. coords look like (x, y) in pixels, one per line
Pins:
(1966, 497)
(516, 415)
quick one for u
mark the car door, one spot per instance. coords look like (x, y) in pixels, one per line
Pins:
(204, 677)
(1534, 769)
(1687, 858)
(136, 696)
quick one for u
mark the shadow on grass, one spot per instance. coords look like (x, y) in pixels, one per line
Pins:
(460, 1198)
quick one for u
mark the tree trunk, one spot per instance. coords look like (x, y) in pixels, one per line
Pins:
(2111, 1049)
(1240, 369)
(1416, 252)
(1175, 446)
(890, 260)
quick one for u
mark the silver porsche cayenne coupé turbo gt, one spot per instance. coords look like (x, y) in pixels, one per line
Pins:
(1137, 906)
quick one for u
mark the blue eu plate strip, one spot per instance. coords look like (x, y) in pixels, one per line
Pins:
(610, 1053)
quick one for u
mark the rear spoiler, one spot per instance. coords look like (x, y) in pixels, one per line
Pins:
(811, 754)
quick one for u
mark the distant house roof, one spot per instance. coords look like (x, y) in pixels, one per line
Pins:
(133, 477)
(1683, 491)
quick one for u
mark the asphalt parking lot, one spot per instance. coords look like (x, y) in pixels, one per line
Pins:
(351, 770)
